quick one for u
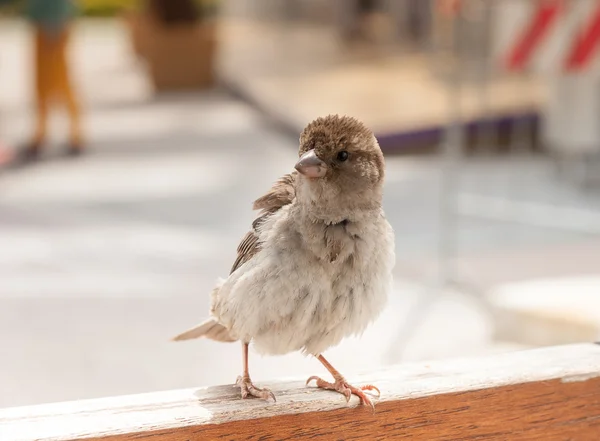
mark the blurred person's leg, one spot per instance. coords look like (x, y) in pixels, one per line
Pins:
(65, 91)
(43, 91)
(53, 83)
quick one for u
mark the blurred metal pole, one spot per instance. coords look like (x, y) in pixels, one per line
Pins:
(453, 144)
(520, 139)
(447, 214)
(398, 10)
(452, 150)
(487, 133)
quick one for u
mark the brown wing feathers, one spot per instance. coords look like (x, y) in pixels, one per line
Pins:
(282, 193)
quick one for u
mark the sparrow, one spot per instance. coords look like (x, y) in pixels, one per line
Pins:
(316, 266)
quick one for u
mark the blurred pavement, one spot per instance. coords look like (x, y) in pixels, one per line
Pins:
(104, 258)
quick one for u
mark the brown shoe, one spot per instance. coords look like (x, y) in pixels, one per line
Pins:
(29, 153)
(75, 149)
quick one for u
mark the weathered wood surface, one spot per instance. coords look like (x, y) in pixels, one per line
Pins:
(542, 394)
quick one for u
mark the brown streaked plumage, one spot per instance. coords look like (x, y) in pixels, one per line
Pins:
(282, 193)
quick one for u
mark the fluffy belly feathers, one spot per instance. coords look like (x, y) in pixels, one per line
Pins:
(283, 306)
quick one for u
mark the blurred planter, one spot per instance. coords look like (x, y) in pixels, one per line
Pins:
(179, 51)
(181, 57)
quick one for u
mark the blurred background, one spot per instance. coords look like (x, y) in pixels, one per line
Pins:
(118, 215)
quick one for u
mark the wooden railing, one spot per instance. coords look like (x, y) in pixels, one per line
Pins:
(544, 394)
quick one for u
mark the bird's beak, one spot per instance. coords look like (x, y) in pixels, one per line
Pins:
(311, 166)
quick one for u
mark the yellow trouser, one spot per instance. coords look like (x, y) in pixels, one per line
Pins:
(52, 81)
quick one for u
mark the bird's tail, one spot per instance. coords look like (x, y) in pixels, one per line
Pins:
(210, 329)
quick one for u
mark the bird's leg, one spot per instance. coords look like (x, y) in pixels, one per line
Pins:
(341, 385)
(245, 384)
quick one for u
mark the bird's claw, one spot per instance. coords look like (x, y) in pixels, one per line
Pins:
(314, 377)
(348, 394)
(342, 386)
(369, 388)
(248, 389)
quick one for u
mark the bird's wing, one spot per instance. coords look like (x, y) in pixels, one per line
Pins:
(282, 193)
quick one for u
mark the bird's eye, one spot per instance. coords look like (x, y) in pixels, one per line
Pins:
(342, 156)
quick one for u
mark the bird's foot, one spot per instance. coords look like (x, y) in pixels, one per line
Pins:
(341, 385)
(248, 389)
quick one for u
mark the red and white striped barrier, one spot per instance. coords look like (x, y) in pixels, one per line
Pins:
(533, 34)
(586, 42)
(559, 40)
(547, 36)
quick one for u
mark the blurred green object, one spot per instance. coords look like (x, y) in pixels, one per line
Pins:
(106, 8)
(46, 13)
(50, 14)
(100, 8)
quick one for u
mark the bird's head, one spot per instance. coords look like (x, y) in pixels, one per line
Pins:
(340, 150)
(339, 159)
